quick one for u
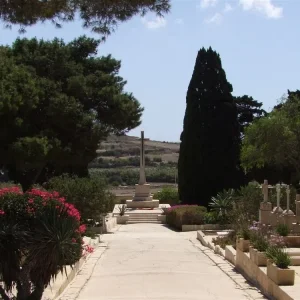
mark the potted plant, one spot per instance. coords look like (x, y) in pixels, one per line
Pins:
(243, 240)
(278, 266)
(259, 245)
(122, 218)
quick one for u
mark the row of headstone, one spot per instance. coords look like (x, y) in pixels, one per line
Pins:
(277, 215)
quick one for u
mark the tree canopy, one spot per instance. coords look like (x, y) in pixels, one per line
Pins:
(248, 111)
(209, 149)
(101, 16)
(57, 101)
(275, 139)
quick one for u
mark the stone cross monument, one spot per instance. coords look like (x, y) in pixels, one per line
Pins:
(288, 211)
(265, 190)
(265, 206)
(142, 160)
(142, 197)
(278, 209)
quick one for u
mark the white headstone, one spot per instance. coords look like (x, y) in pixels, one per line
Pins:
(278, 188)
(265, 190)
(288, 192)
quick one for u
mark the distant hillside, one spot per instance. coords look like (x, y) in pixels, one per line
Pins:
(126, 146)
(119, 158)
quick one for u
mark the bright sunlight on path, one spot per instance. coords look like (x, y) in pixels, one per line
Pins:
(150, 261)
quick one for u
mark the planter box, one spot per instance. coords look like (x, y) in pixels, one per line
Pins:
(122, 219)
(162, 218)
(280, 276)
(242, 244)
(259, 258)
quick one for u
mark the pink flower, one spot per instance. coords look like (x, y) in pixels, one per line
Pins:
(14, 190)
(88, 249)
(55, 194)
(2, 212)
(73, 240)
(82, 228)
(30, 201)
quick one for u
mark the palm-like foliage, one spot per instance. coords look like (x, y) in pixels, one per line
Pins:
(222, 203)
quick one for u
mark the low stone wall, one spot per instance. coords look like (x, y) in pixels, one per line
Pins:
(204, 227)
(258, 276)
(216, 248)
(230, 254)
(62, 280)
(243, 264)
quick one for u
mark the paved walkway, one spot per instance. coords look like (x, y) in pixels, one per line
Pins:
(150, 261)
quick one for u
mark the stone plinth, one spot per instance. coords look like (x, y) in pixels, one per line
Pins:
(274, 218)
(142, 204)
(142, 198)
(142, 193)
(264, 212)
(289, 219)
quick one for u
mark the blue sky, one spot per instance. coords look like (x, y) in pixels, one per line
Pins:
(257, 40)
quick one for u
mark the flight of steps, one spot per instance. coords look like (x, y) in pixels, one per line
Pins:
(142, 218)
(295, 256)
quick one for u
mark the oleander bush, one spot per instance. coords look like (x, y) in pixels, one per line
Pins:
(40, 233)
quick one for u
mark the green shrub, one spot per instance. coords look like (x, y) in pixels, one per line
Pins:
(222, 203)
(260, 243)
(157, 159)
(40, 233)
(130, 176)
(279, 257)
(7, 184)
(244, 233)
(177, 216)
(223, 241)
(282, 229)
(90, 195)
(167, 195)
(211, 218)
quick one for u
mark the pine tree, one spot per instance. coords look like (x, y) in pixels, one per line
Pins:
(248, 111)
(209, 149)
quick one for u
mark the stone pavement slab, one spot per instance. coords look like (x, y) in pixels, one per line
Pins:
(150, 261)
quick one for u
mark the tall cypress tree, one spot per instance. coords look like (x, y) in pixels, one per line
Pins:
(209, 149)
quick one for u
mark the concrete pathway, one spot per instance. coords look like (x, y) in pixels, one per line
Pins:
(150, 261)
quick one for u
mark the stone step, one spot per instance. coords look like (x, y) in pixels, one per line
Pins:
(293, 252)
(150, 219)
(144, 216)
(143, 221)
(295, 260)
